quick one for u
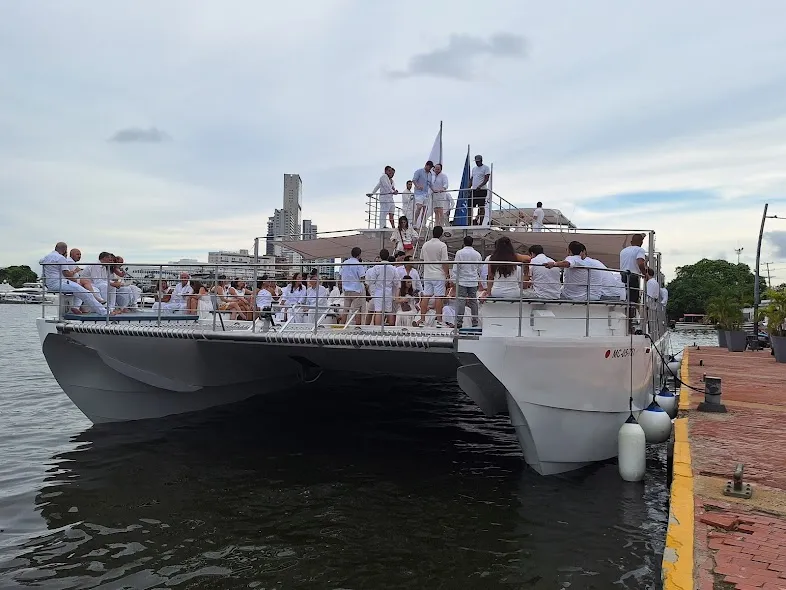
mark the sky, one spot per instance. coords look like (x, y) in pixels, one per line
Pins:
(160, 131)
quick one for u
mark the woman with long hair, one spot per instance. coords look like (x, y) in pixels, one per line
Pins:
(199, 303)
(505, 277)
(404, 237)
(405, 303)
(293, 296)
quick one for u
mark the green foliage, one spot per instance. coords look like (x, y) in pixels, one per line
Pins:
(725, 311)
(695, 284)
(18, 275)
(775, 312)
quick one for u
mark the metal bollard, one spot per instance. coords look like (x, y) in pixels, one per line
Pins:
(712, 396)
(736, 487)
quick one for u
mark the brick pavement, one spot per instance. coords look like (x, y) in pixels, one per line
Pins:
(739, 544)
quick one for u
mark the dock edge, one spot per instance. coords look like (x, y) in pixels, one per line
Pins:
(677, 567)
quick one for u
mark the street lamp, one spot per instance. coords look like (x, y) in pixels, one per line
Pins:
(756, 294)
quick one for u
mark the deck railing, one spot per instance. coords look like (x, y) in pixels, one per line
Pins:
(224, 305)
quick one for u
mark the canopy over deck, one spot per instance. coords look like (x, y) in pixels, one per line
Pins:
(603, 246)
(512, 216)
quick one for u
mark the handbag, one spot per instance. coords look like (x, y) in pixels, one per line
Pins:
(407, 245)
(405, 306)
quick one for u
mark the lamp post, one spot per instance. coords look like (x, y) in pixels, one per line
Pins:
(756, 293)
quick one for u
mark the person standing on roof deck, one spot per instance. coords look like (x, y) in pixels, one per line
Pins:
(408, 202)
(480, 177)
(467, 281)
(440, 195)
(436, 270)
(386, 190)
(664, 296)
(422, 181)
(537, 217)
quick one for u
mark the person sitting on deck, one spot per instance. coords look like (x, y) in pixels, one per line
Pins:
(264, 294)
(409, 267)
(577, 284)
(58, 278)
(120, 293)
(95, 278)
(405, 303)
(164, 296)
(199, 301)
(505, 277)
(292, 297)
(545, 281)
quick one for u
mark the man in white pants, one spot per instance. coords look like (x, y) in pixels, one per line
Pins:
(435, 272)
(95, 278)
(55, 265)
(386, 190)
(440, 195)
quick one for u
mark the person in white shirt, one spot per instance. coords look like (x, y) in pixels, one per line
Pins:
(598, 278)
(316, 301)
(263, 298)
(386, 190)
(576, 277)
(352, 273)
(417, 284)
(613, 287)
(439, 188)
(292, 298)
(633, 259)
(404, 236)
(664, 296)
(434, 254)
(122, 293)
(73, 273)
(467, 280)
(480, 176)
(653, 289)
(383, 283)
(422, 181)
(545, 281)
(177, 301)
(408, 201)
(95, 277)
(537, 217)
(55, 266)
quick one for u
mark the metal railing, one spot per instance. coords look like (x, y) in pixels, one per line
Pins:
(215, 301)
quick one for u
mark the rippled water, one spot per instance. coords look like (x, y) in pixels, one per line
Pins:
(359, 483)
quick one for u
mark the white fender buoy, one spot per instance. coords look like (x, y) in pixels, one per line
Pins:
(668, 401)
(631, 451)
(678, 357)
(656, 423)
(674, 368)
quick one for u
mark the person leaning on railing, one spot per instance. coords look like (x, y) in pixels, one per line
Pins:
(506, 279)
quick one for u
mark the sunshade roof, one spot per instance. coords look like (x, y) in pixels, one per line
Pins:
(507, 217)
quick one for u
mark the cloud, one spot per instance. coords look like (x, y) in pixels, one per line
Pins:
(456, 59)
(777, 240)
(139, 135)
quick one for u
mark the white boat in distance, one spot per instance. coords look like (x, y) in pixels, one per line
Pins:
(563, 371)
(27, 293)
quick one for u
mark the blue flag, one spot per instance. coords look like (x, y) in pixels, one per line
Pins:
(461, 215)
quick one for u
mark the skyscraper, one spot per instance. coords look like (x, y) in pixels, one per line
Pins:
(293, 197)
(309, 230)
(285, 222)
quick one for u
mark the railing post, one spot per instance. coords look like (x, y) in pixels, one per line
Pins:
(384, 291)
(521, 298)
(586, 329)
(217, 307)
(254, 287)
(160, 296)
(316, 312)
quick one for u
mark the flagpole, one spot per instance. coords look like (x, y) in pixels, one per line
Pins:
(440, 143)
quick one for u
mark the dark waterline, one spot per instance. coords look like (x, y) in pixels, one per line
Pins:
(354, 483)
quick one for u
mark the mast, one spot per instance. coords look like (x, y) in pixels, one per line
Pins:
(440, 144)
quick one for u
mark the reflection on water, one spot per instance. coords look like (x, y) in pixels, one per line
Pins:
(358, 483)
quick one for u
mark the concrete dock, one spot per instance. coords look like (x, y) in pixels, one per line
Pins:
(714, 541)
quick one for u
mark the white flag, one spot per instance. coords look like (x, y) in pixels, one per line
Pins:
(436, 151)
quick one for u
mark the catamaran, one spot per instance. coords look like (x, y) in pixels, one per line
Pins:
(567, 373)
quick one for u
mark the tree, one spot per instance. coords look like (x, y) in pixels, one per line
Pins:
(18, 275)
(695, 284)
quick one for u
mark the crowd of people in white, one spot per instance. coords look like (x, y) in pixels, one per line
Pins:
(391, 290)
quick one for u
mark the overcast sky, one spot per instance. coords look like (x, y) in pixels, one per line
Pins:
(163, 130)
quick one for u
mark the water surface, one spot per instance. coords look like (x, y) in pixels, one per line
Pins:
(353, 483)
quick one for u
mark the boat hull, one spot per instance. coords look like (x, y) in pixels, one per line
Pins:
(567, 399)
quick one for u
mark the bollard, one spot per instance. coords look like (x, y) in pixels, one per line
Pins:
(736, 488)
(712, 396)
(701, 362)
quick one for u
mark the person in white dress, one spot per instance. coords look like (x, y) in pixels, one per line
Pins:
(386, 190)
(506, 280)
(316, 300)
(439, 188)
(404, 237)
(383, 282)
(405, 303)
(292, 297)
(199, 303)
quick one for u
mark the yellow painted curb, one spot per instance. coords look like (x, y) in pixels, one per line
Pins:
(684, 391)
(677, 568)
